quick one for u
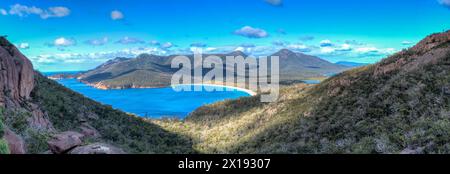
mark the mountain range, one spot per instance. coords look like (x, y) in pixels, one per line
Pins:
(155, 71)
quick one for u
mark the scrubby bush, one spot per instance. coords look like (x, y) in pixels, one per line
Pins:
(4, 149)
(2, 128)
(37, 142)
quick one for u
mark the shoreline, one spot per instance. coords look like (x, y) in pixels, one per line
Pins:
(249, 92)
(104, 87)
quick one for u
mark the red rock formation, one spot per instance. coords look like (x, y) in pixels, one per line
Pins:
(97, 148)
(16, 76)
(15, 142)
(65, 141)
(16, 83)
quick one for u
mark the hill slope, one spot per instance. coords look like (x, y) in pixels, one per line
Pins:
(400, 105)
(36, 110)
(298, 66)
(155, 71)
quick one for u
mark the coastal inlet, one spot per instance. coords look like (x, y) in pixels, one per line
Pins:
(154, 102)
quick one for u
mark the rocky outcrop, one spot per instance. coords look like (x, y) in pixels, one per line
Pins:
(17, 80)
(97, 148)
(15, 142)
(432, 42)
(65, 141)
(89, 131)
(428, 51)
(16, 74)
(38, 119)
(71, 143)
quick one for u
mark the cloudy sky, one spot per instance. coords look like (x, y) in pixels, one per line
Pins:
(80, 34)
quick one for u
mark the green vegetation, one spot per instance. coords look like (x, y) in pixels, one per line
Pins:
(17, 119)
(4, 149)
(37, 141)
(400, 105)
(2, 126)
(68, 110)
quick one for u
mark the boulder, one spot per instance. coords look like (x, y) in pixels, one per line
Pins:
(97, 148)
(15, 142)
(89, 131)
(65, 141)
(412, 151)
(38, 120)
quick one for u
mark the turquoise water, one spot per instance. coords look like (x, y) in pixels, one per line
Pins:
(152, 103)
(311, 81)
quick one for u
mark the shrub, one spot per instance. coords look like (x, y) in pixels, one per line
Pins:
(4, 149)
(2, 128)
(37, 142)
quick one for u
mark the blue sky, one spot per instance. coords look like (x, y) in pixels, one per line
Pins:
(80, 34)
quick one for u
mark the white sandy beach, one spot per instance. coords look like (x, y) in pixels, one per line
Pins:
(250, 92)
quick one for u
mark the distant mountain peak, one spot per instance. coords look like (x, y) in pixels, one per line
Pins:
(284, 53)
(237, 53)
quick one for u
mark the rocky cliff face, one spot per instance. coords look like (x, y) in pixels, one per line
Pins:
(16, 84)
(16, 75)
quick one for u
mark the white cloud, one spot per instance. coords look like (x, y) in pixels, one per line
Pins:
(327, 50)
(199, 44)
(306, 38)
(167, 45)
(97, 42)
(275, 2)
(117, 15)
(344, 47)
(299, 47)
(406, 42)
(130, 40)
(51, 12)
(23, 45)
(251, 32)
(354, 42)
(154, 42)
(64, 42)
(445, 3)
(326, 47)
(56, 12)
(240, 49)
(99, 57)
(3, 12)
(374, 51)
(247, 45)
(209, 49)
(326, 43)
(43, 59)
(366, 49)
(279, 43)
